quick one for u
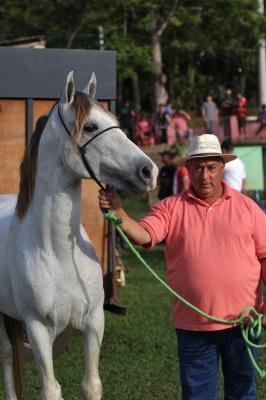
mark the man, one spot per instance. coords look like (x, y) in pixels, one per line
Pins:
(166, 174)
(216, 257)
(228, 106)
(181, 180)
(209, 113)
(234, 171)
(261, 119)
(241, 114)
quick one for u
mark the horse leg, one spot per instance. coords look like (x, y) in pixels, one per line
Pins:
(41, 341)
(92, 337)
(6, 360)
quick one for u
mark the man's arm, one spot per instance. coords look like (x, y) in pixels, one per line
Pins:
(111, 200)
(263, 277)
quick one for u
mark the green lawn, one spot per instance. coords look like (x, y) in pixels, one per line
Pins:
(138, 357)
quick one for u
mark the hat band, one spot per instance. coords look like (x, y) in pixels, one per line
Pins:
(206, 154)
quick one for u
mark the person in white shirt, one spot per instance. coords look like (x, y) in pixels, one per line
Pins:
(234, 171)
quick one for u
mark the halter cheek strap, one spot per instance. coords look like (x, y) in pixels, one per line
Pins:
(82, 149)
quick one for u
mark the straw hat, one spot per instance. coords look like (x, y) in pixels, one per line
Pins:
(203, 146)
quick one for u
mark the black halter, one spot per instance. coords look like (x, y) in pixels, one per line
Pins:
(83, 148)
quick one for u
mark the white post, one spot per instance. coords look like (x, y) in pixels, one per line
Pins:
(101, 38)
(262, 63)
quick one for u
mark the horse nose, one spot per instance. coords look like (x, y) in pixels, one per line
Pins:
(145, 173)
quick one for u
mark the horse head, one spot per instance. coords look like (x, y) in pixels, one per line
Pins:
(96, 147)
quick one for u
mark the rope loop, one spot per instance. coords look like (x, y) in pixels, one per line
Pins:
(252, 322)
(110, 216)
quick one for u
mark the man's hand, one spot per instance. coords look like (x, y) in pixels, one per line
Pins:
(109, 199)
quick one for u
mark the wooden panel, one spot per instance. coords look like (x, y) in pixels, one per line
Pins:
(41, 107)
(12, 139)
(105, 104)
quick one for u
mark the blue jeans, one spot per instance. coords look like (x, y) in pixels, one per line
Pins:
(199, 354)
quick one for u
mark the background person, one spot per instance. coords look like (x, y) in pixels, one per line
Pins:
(261, 119)
(144, 131)
(241, 114)
(209, 114)
(181, 180)
(228, 107)
(171, 131)
(234, 171)
(166, 174)
(181, 122)
(215, 249)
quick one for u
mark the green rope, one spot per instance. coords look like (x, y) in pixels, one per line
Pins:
(251, 325)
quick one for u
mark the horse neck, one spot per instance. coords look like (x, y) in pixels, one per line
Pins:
(54, 213)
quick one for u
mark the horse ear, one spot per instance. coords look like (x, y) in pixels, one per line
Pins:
(90, 89)
(69, 89)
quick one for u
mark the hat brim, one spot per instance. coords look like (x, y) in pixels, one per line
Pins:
(182, 161)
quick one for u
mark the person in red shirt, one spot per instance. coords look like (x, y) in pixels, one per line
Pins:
(215, 251)
(241, 114)
(144, 134)
(181, 180)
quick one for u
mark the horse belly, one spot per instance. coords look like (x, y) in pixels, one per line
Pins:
(7, 305)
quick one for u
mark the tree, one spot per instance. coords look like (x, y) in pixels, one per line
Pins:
(199, 45)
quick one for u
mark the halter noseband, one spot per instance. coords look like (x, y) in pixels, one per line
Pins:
(83, 148)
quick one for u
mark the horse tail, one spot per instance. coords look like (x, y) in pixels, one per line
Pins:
(15, 333)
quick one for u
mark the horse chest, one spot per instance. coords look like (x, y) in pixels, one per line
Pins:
(69, 309)
(78, 294)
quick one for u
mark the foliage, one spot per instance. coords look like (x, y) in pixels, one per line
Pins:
(206, 46)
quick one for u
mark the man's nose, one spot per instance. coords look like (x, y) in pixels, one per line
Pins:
(205, 173)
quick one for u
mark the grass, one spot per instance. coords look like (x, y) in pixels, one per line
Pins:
(138, 358)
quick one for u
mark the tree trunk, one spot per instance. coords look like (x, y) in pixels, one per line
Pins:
(242, 85)
(157, 62)
(159, 78)
(136, 93)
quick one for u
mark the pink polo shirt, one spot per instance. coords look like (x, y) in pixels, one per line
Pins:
(212, 254)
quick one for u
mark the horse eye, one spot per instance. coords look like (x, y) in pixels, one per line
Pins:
(91, 128)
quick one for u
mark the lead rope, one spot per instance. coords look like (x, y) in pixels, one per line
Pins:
(251, 326)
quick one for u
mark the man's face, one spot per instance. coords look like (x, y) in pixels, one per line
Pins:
(206, 176)
(167, 159)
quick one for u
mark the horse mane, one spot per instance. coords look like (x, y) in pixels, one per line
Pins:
(28, 166)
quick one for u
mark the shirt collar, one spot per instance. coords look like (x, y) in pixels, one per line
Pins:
(227, 193)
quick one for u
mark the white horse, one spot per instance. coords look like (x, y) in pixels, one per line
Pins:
(49, 274)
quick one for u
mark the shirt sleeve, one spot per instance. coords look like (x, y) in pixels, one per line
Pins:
(259, 231)
(158, 219)
(244, 172)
